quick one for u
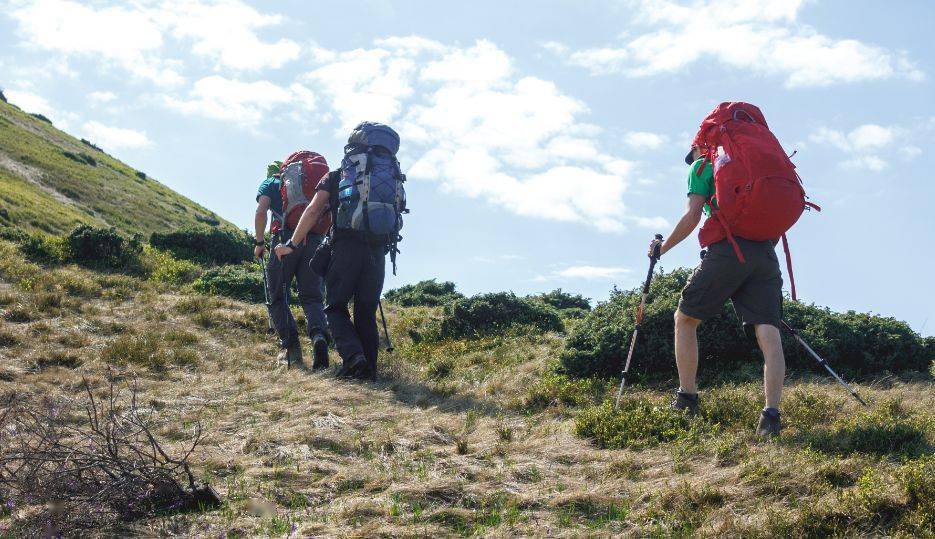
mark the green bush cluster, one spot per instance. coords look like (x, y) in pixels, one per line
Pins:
(244, 282)
(636, 423)
(205, 244)
(489, 314)
(103, 247)
(162, 267)
(854, 343)
(563, 301)
(429, 293)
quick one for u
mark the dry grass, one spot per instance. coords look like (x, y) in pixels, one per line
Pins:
(458, 438)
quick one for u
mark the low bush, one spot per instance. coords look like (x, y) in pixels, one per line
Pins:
(886, 430)
(82, 158)
(854, 343)
(104, 248)
(205, 244)
(636, 423)
(429, 293)
(162, 267)
(562, 301)
(40, 248)
(243, 282)
(489, 314)
(554, 389)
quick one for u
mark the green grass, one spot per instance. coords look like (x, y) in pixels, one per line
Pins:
(106, 193)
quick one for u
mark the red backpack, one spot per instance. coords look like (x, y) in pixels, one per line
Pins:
(758, 193)
(301, 172)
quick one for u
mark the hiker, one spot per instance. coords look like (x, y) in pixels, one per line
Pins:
(365, 198)
(739, 261)
(271, 197)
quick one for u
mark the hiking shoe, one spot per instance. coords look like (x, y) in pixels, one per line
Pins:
(687, 402)
(353, 367)
(319, 352)
(291, 356)
(769, 424)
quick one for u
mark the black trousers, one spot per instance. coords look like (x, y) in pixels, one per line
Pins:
(295, 266)
(355, 273)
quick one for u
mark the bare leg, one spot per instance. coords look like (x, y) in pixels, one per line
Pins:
(774, 366)
(686, 351)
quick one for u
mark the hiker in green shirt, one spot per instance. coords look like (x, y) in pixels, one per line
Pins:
(754, 287)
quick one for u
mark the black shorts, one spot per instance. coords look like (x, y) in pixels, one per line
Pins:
(754, 287)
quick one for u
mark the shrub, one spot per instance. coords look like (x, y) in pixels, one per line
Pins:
(205, 244)
(561, 300)
(103, 247)
(429, 293)
(244, 282)
(82, 158)
(39, 247)
(854, 343)
(637, 423)
(488, 314)
(164, 268)
(41, 117)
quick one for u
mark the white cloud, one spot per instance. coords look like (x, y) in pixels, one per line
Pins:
(243, 103)
(641, 140)
(30, 102)
(866, 142)
(763, 36)
(225, 31)
(133, 36)
(478, 129)
(127, 37)
(102, 97)
(115, 137)
(585, 272)
(865, 162)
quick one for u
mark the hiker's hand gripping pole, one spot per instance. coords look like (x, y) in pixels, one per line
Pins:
(822, 362)
(654, 254)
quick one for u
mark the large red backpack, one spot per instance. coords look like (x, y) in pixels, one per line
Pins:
(758, 193)
(301, 172)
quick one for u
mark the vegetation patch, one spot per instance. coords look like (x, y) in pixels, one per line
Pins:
(146, 351)
(636, 423)
(243, 282)
(885, 430)
(205, 244)
(490, 314)
(429, 293)
(567, 304)
(854, 343)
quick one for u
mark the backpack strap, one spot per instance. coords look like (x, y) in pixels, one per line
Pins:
(785, 248)
(334, 177)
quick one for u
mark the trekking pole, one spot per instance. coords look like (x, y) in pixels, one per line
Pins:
(285, 300)
(389, 344)
(269, 317)
(822, 362)
(653, 258)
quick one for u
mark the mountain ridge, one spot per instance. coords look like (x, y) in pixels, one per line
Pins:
(52, 181)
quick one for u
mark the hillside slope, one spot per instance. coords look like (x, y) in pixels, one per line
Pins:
(50, 181)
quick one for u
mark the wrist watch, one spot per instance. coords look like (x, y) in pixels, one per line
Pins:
(259, 243)
(290, 245)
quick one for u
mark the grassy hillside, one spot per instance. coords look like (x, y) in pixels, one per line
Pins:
(472, 436)
(51, 181)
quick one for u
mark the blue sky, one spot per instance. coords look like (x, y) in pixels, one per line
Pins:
(543, 142)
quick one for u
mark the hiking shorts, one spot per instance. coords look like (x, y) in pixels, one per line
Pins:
(754, 287)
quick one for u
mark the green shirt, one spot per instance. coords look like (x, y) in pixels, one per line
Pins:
(702, 184)
(270, 188)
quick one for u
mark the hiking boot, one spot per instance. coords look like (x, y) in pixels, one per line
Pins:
(291, 356)
(353, 367)
(319, 352)
(687, 402)
(769, 424)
